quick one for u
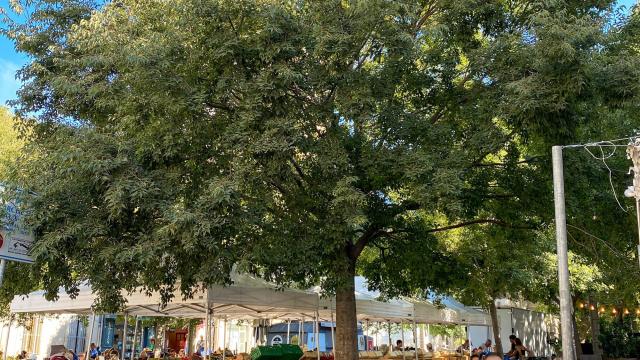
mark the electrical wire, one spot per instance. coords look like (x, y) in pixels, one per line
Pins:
(604, 161)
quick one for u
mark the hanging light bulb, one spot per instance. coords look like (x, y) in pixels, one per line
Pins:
(626, 311)
(614, 311)
(591, 307)
(637, 311)
(581, 305)
(602, 309)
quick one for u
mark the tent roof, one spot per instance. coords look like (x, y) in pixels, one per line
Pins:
(247, 297)
(251, 298)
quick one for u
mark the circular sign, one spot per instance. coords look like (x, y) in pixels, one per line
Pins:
(277, 340)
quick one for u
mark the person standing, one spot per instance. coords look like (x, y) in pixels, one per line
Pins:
(200, 346)
(93, 351)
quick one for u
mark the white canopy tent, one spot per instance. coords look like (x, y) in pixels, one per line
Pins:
(248, 297)
(252, 298)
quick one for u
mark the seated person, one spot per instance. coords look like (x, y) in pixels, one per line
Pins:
(485, 349)
(399, 346)
(93, 351)
(520, 350)
(464, 347)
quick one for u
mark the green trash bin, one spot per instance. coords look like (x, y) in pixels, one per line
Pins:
(290, 352)
(266, 353)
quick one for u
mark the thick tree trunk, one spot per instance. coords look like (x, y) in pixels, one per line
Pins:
(496, 327)
(576, 337)
(346, 320)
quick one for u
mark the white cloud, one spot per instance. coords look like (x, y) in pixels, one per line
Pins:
(8, 83)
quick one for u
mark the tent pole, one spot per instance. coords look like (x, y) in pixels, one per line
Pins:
(389, 333)
(246, 338)
(304, 342)
(224, 338)
(415, 335)
(333, 341)
(213, 331)
(288, 331)
(124, 334)
(207, 340)
(88, 343)
(317, 335)
(6, 341)
(402, 336)
(133, 342)
(366, 336)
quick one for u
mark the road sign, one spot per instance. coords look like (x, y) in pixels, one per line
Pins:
(15, 240)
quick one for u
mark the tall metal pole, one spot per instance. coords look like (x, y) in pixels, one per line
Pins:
(568, 352)
(288, 331)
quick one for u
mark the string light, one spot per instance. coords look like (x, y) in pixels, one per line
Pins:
(614, 311)
(592, 308)
(602, 309)
(581, 305)
(626, 311)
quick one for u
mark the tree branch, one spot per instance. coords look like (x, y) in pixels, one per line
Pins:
(356, 249)
(480, 221)
(430, 11)
(525, 161)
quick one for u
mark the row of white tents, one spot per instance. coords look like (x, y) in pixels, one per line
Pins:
(252, 298)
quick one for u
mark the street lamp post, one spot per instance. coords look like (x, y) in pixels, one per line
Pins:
(633, 153)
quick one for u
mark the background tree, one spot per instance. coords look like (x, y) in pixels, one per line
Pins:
(15, 281)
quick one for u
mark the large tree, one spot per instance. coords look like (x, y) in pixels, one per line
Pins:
(176, 139)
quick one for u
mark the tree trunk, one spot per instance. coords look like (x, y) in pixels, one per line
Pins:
(496, 327)
(346, 320)
(595, 331)
(576, 336)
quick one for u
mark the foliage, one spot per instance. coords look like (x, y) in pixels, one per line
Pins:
(301, 140)
(455, 331)
(15, 280)
(10, 143)
(618, 338)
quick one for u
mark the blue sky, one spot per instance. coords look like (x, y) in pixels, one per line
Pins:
(10, 61)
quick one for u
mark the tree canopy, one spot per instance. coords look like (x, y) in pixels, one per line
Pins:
(304, 141)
